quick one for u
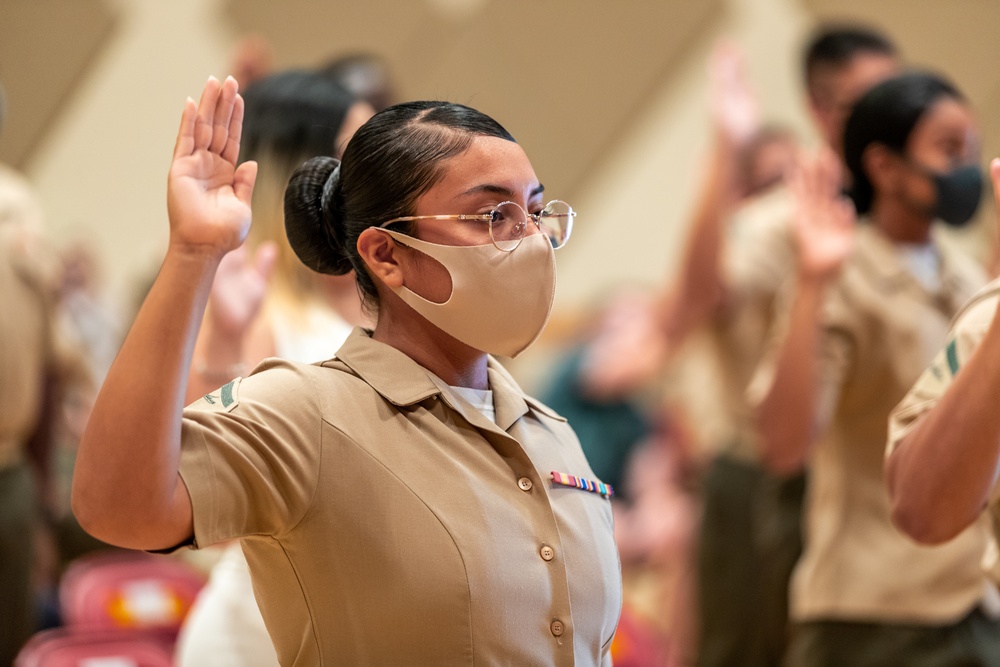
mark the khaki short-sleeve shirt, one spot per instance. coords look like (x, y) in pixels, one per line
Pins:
(387, 521)
(967, 332)
(880, 329)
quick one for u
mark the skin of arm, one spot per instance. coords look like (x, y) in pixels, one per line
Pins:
(941, 473)
(126, 486)
(698, 292)
(786, 416)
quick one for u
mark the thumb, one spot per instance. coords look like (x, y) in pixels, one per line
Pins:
(243, 180)
(265, 259)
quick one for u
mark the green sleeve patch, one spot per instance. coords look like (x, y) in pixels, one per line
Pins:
(225, 397)
(951, 352)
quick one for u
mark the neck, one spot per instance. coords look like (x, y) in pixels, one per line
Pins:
(451, 360)
(342, 295)
(900, 223)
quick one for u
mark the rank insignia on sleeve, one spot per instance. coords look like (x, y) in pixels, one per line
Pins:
(225, 398)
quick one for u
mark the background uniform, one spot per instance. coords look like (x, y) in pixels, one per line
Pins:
(863, 593)
(749, 537)
(27, 360)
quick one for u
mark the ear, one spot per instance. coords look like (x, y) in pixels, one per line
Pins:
(879, 164)
(379, 251)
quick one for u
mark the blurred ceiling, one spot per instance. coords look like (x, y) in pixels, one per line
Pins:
(564, 79)
(42, 61)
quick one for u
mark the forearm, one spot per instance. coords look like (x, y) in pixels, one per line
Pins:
(698, 289)
(126, 488)
(786, 417)
(940, 475)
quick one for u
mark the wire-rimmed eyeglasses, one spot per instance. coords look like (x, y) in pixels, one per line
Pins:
(508, 222)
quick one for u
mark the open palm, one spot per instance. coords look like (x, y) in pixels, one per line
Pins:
(208, 196)
(824, 220)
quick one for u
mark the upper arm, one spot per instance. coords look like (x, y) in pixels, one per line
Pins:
(250, 455)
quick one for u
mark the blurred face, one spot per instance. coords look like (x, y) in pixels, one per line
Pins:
(357, 115)
(834, 91)
(771, 161)
(946, 137)
(489, 172)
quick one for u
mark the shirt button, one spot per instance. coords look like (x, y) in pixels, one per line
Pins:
(557, 628)
(547, 552)
(524, 484)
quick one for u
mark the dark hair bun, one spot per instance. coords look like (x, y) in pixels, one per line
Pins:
(312, 216)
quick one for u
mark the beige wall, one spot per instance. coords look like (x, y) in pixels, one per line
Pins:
(100, 167)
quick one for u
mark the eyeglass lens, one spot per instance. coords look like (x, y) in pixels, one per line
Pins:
(508, 223)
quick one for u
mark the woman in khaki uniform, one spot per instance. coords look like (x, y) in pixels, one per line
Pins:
(404, 502)
(862, 593)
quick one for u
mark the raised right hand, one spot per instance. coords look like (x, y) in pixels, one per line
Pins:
(824, 220)
(208, 196)
(733, 103)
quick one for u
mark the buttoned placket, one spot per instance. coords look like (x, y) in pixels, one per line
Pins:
(525, 478)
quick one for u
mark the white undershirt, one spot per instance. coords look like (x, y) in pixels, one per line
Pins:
(480, 399)
(924, 263)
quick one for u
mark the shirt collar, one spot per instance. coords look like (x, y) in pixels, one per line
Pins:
(402, 381)
(878, 257)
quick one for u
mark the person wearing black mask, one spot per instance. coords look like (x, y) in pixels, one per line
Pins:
(871, 304)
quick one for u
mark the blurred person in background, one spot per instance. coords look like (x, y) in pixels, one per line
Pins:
(366, 76)
(33, 363)
(866, 316)
(739, 253)
(290, 117)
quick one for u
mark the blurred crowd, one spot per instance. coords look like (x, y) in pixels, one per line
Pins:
(738, 409)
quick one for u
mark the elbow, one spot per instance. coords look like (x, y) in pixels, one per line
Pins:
(922, 526)
(782, 464)
(89, 514)
(914, 513)
(783, 452)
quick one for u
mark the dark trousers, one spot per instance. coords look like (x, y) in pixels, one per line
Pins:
(18, 517)
(972, 642)
(749, 542)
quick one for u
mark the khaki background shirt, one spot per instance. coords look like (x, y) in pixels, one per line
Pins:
(386, 521)
(27, 344)
(881, 328)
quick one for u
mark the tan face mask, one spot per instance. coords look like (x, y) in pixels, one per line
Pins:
(500, 301)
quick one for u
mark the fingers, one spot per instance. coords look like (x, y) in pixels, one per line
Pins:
(232, 150)
(185, 134)
(206, 113)
(222, 115)
(265, 259)
(243, 180)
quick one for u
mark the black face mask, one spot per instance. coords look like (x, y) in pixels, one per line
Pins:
(958, 192)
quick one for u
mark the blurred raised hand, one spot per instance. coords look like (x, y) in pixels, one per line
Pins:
(239, 288)
(824, 219)
(733, 103)
(208, 196)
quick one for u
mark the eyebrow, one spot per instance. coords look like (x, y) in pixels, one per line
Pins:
(501, 190)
